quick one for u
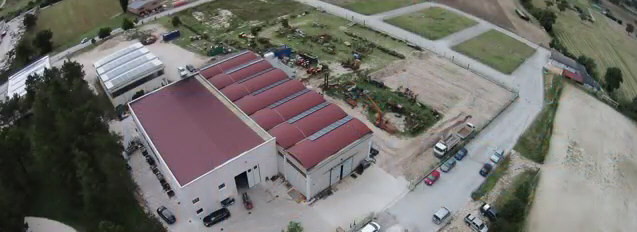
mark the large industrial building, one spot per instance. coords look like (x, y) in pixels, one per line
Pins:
(242, 121)
(125, 72)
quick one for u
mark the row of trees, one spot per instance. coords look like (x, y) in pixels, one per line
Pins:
(65, 152)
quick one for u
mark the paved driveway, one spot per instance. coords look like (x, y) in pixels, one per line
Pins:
(453, 190)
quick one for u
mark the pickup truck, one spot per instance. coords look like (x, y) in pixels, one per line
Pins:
(450, 141)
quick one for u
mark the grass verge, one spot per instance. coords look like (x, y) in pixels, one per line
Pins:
(432, 23)
(70, 19)
(535, 141)
(492, 179)
(497, 50)
(513, 205)
(370, 7)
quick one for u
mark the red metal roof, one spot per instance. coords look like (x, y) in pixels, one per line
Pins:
(573, 76)
(268, 118)
(252, 103)
(224, 79)
(192, 129)
(226, 64)
(239, 90)
(289, 134)
(310, 153)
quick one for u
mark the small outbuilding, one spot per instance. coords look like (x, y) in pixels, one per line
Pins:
(143, 7)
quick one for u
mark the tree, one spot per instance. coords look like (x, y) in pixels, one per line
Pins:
(29, 21)
(176, 21)
(549, 3)
(23, 51)
(589, 64)
(255, 30)
(104, 32)
(127, 24)
(546, 17)
(123, 4)
(630, 28)
(43, 41)
(562, 5)
(613, 79)
(294, 227)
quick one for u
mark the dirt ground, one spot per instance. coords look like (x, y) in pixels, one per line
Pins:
(588, 181)
(501, 13)
(442, 85)
(171, 55)
(517, 165)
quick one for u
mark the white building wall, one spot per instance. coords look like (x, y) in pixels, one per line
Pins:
(294, 176)
(320, 174)
(206, 187)
(148, 86)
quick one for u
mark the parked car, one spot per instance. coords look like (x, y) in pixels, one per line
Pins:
(486, 168)
(247, 203)
(216, 217)
(441, 215)
(182, 71)
(432, 178)
(448, 165)
(191, 68)
(497, 156)
(488, 211)
(475, 223)
(166, 215)
(370, 227)
(461, 154)
(84, 40)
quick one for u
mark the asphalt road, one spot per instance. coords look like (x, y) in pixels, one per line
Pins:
(414, 210)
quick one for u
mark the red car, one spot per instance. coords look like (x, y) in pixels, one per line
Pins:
(432, 178)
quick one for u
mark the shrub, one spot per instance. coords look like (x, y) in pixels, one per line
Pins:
(176, 21)
(127, 24)
(104, 32)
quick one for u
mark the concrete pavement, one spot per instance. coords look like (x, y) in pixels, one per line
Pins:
(414, 210)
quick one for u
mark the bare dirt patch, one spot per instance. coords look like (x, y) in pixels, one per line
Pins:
(441, 85)
(588, 179)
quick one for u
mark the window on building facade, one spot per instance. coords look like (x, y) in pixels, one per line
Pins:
(200, 210)
(195, 200)
(222, 186)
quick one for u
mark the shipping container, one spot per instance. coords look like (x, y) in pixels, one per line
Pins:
(170, 35)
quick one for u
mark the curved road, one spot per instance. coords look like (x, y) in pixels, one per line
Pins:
(414, 210)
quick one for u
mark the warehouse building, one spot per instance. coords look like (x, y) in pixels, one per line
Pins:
(129, 71)
(17, 82)
(242, 121)
(143, 7)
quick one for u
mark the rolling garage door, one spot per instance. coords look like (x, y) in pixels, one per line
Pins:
(339, 171)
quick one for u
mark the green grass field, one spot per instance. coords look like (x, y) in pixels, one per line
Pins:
(12, 5)
(370, 7)
(608, 44)
(497, 50)
(70, 20)
(432, 23)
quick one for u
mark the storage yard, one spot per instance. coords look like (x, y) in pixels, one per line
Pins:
(590, 173)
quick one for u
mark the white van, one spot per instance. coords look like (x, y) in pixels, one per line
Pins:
(441, 215)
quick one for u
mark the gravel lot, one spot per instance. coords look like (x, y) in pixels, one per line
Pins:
(588, 180)
(447, 88)
(171, 55)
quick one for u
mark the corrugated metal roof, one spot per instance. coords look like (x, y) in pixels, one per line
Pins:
(117, 54)
(572, 76)
(229, 62)
(134, 74)
(288, 134)
(311, 152)
(202, 132)
(123, 59)
(268, 118)
(125, 67)
(16, 82)
(252, 103)
(139, 3)
(225, 79)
